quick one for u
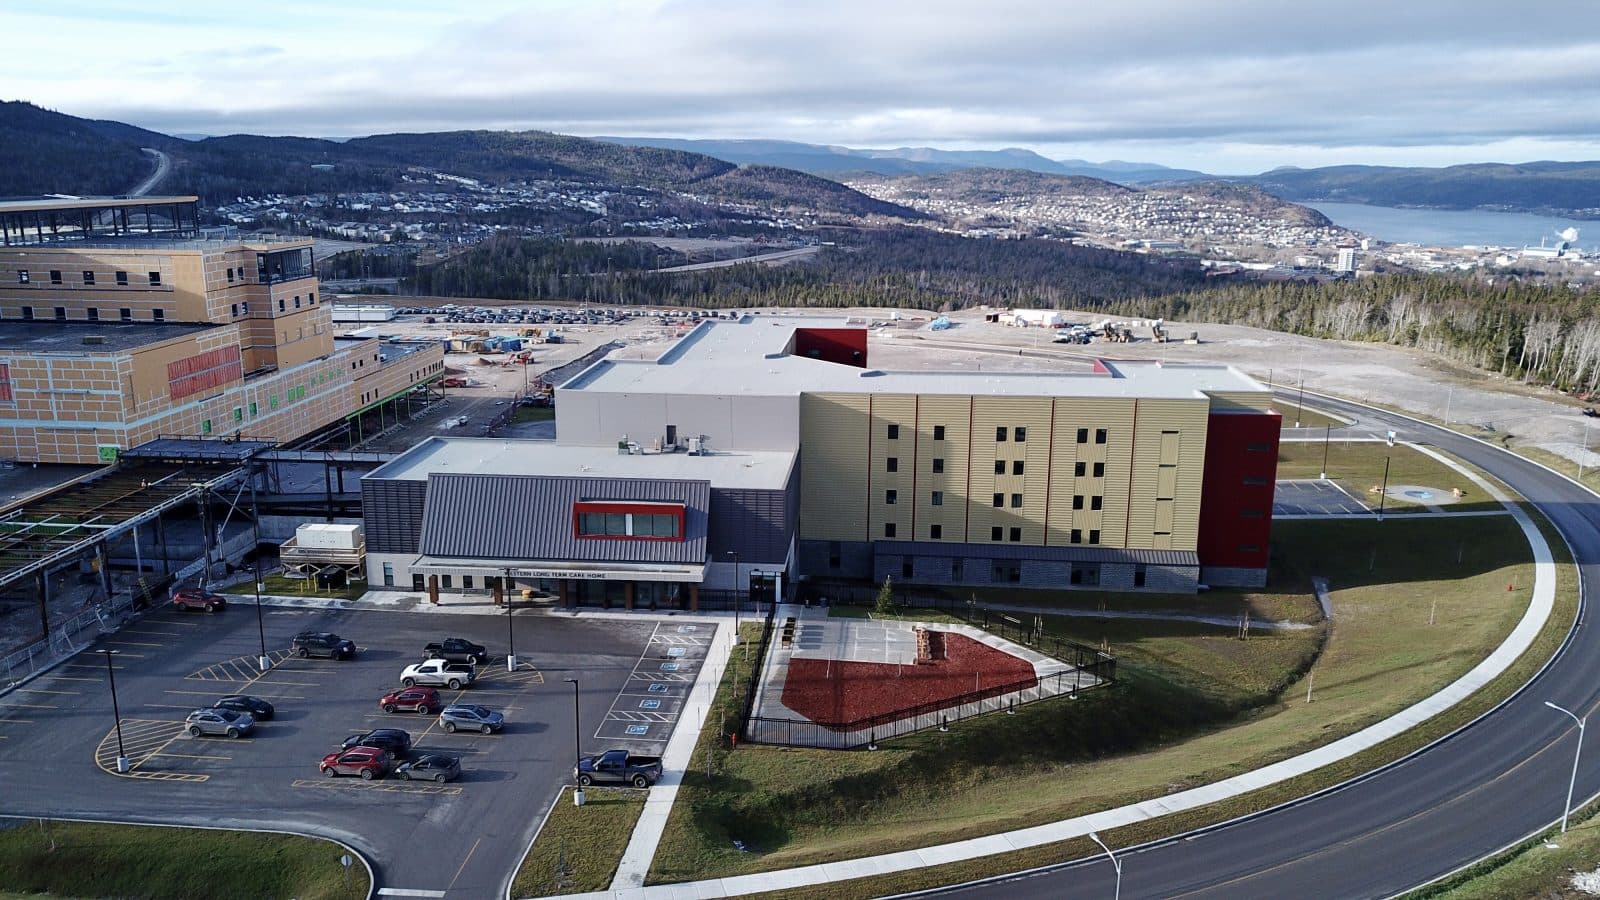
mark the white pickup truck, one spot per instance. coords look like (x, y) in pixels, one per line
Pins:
(439, 673)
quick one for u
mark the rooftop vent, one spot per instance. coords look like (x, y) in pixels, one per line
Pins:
(94, 339)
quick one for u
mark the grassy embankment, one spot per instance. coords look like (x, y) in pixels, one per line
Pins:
(82, 859)
(278, 585)
(1194, 705)
(578, 849)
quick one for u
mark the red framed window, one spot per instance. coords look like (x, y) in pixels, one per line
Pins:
(628, 520)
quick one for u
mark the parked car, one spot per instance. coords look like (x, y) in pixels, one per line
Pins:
(618, 767)
(219, 721)
(436, 766)
(368, 762)
(437, 671)
(257, 708)
(195, 598)
(471, 716)
(456, 650)
(322, 643)
(394, 740)
(412, 699)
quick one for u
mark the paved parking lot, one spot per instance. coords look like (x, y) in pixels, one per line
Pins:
(58, 743)
(649, 704)
(1314, 498)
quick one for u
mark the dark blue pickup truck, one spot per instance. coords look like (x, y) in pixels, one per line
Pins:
(619, 767)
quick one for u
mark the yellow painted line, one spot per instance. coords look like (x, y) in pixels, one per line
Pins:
(99, 666)
(32, 706)
(464, 863)
(16, 721)
(43, 691)
(148, 631)
(134, 644)
(396, 786)
(191, 756)
(130, 655)
(72, 678)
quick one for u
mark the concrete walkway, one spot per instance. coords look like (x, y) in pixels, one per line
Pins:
(1540, 605)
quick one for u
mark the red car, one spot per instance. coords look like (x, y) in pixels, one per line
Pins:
(368, 762)
(195, 598)
(419, 699)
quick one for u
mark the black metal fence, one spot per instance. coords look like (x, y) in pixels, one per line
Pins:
(752, 682)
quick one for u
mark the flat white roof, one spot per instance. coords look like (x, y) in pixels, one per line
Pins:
(741, 469)
(746, 357)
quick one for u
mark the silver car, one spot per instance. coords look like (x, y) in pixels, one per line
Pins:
(472, 717)
(219, 721)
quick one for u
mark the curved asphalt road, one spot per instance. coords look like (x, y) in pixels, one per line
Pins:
(1483, 788)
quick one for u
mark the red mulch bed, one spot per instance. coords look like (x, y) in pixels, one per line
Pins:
(839, 694)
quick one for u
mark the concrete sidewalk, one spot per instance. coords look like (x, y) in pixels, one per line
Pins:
(1540, 606)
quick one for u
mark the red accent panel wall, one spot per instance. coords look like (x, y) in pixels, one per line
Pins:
(194, 374)
(640, 509)
(845, 346)
(1236, 494)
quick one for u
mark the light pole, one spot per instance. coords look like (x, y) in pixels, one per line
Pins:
(577, 744)
(736, 598)
(261, 628)
(1327, 435)
(116, 713)
(1115, 863)
(1300, 405)
(1576, 754)
(1383, 492)
(511, 639)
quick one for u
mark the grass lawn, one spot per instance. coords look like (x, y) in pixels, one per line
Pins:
(1531, 870)
(1358, 467)
(1308, 417)
(80, 859)
(593, 839)
(533, 414)
(1193, 705)
(297, 587)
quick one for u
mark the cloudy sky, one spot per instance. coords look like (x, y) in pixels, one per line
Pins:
(1221, 85)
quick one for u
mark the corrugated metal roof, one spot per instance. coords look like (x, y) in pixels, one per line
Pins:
(529, 517)
(1059, 554)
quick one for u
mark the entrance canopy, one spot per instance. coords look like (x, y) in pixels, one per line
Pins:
(688, 573)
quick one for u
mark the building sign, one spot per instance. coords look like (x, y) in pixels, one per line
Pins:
(565, 573)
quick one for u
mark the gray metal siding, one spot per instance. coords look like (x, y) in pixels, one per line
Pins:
(529, 517)
(752, 523)
(391, 513)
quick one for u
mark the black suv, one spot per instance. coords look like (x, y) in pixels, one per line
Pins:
(322, 643)
(393, 740)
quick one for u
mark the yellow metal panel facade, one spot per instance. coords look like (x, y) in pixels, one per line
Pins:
(1235, 401)
(1169, 445)
(893, 442)
(834, 460)
(942, 439)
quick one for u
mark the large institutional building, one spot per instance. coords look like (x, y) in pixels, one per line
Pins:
(121, 321)
(769, 444)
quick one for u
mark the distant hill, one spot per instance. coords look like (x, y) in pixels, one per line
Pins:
(1559, 188)
(827, 160)
(44, 152)
(993, 185)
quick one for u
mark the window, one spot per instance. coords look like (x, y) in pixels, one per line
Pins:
(155, 279)
(938, 432)
(296, 301)
(892, 464)
(1016, 467)
(444, 582)
(1100, 470)
(94, 314)
(252, 407)
(236, 310)
(999, 500)
(994, 533)
(230, 281)
(890, 496)
(999, 467)
(1254, 480)
(608, 522)
(388, 574)
(238, 414)
(1099, 435)
(937, 499)
(1138, 575)
(935, 532)
(61, 314)
(1077, 501)
(466, 582)
(245, 307)
(23, 277)
(888, 529)
(1016, 535)
(1019, 434)
(205, 427)
(88, 277)
(311, 299)
(55, 276)
(1005, 572)
(894, 432)
(1080, 469)
(1086, 573)
(1000, 434)
(938, 466)
(280, 304)
(27, 314)
(905, 567)
(125, 314)
(1077, 535)
(122, 278)
(1094, 535)
(1096, 502)
(1016, 501)
(1083, 435)
(157, 315)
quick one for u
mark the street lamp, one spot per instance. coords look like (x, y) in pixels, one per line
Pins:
(261, 628)
(116, 713)
(1383, 492)
(511, 639)
(737, 597)
(1327, 435)
(577, 744)
(1116, 863)
(1576, 754)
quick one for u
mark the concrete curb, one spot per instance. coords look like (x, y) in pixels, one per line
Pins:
(1540, 605)
(372, 876)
